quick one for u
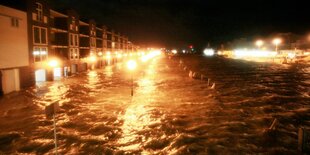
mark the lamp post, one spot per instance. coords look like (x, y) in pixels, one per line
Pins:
(276, 42)
(131, 65)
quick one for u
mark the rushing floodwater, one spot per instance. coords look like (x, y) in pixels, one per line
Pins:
(169, 112)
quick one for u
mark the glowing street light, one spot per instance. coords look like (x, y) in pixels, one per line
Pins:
(119, 56)
(208, 52)
(145, 58)
(276, 42)
(131, 65)
(259, 43)
(174, 51)
(92, 58)
(108, 55)
(53, 63)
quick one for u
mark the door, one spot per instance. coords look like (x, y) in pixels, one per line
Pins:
(57, 73)
(40, 75)
(73, 68)
(10, 80)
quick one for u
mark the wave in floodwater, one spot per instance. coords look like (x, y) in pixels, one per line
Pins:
(169, 112)
(253, 94)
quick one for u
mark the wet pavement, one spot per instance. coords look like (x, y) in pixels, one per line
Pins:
(169, 113)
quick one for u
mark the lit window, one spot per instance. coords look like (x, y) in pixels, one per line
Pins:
(39, 54)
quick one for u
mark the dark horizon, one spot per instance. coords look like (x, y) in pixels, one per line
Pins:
(177, 23)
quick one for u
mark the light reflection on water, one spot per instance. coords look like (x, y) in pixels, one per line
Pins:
(108, 71)
(169, 113)
(135, 119)
(51, 92)
(93, 79)
(137, 116)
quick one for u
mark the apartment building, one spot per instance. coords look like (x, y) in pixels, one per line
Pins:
(65, 43)
(15, 71)
(53, 44)
(38, 13)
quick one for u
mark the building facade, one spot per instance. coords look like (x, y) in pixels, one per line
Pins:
(52, 45)
(15, 70)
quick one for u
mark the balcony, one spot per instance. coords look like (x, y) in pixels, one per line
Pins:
(84, 42)
(84, 30)
(59, 39)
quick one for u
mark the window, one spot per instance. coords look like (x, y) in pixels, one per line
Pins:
(52, 37)
(71, 39)
(39, 35)
(36, 34)
(93, 30)
(14, 22)
(74, 40)
(73, 24)
(39, 10)
(43, 36)
(93, 42)
(74, 53)
(71, 53)
(39, 54)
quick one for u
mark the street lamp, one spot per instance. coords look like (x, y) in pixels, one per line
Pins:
(92, 59)
(259, 43)
(53, 63)
(131, 65)
(276, 42)
(208, 52)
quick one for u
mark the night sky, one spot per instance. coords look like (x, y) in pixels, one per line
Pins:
(175, 23)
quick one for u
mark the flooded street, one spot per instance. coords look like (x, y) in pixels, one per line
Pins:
(169, 112)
